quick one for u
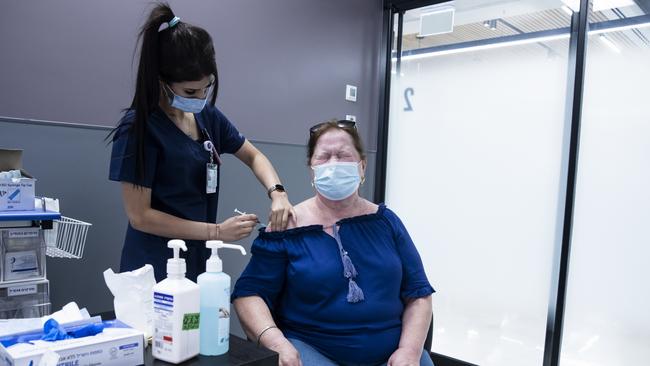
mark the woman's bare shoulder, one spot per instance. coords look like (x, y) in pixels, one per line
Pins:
(303, 214)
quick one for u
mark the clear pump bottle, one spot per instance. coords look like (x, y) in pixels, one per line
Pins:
(215, 302)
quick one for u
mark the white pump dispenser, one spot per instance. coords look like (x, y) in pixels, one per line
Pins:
(215, 302)
(214, 264)
(176, 265)
(176, 311)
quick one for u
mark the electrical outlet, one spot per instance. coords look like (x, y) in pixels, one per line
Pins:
(351, 117)
(351, 93)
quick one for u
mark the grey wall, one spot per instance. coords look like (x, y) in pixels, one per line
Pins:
(283, 66)
(71, 163)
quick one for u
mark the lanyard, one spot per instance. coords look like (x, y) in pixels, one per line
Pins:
(209, 146)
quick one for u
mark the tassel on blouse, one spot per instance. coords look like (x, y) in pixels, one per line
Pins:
(354, 292)
(348, 268)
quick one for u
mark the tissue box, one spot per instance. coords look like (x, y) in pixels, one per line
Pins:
(117, 345)
(16, 196)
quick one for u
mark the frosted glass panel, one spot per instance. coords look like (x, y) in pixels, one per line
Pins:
(475, 153)
(607, 321)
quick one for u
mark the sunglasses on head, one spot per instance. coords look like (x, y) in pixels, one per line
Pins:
(344, 123)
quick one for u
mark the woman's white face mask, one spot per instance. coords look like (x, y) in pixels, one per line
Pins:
(190, 105)
(190, 102)
(337, 181)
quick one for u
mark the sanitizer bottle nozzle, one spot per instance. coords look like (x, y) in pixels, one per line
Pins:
(214, 264)
(176, 265)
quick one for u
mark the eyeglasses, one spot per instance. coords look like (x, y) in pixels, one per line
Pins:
(344, 123)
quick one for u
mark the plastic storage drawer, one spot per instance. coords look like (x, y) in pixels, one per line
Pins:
(25, 300)
(22, 254)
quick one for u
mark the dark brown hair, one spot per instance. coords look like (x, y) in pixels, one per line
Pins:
(333, 125)
(177, 53)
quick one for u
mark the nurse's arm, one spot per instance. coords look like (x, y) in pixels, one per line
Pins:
(415, 324)
(281, 208)
(137, 203)
(255, 317)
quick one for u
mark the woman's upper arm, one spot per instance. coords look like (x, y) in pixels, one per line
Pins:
(247, 153)
(415, 283)
(137, 200)
(264, 275)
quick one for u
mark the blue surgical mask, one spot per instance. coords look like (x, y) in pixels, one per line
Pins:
(336, 181)
(190, 105)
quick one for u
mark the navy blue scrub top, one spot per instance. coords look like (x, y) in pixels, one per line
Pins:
(175, 170)
(299, 274)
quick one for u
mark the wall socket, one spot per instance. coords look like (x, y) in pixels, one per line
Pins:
(351, 93)
(351, 117)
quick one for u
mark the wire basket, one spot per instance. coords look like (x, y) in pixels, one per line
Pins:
(67, 238)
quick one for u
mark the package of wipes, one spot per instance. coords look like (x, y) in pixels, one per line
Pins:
(133, 292)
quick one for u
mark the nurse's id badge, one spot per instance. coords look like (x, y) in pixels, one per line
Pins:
(212, 175)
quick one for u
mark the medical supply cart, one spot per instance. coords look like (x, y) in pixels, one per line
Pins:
(26, 238)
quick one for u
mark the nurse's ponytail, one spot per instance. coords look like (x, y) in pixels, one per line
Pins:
(171, 51)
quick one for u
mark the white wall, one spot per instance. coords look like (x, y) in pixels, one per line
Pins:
(607, 313)
(474, 171)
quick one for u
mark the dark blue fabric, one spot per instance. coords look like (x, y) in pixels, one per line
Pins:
(175, 170)
(299, 274)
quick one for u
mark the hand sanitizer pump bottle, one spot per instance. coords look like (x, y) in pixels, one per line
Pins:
(215, 302)
(176, 312)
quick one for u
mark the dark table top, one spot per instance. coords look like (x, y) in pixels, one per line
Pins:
(241, 352)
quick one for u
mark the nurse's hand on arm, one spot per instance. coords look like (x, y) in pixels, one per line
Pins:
(255, 318)
(281, 209)
(137, 202)
(415, 324)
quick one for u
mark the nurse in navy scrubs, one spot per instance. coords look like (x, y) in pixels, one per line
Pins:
(167, 148)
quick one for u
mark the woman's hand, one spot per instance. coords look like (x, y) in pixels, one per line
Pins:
(237, 227)
(289, 355)
(405, 357)
(281, 210)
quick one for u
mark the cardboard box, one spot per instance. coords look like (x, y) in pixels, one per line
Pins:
(16, 196)
(117, 345)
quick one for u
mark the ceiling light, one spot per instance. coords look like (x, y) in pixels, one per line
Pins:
(637, 24)
(599, 5)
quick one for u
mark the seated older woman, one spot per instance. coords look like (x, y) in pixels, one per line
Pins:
(344, 284)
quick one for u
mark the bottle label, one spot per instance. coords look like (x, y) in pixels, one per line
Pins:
(224, 319)
(163, 306)
(191, 321)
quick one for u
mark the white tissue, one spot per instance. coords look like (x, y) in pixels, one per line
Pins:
(49, 358)
(13, 175)
(69, 313)
(51, 204)
(133, 293)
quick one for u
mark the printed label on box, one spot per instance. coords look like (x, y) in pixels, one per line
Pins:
(23, 233)
(17, 196)
(21, 290)
(19, 265)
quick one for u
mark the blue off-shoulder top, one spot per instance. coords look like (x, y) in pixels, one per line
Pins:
(300, 276)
